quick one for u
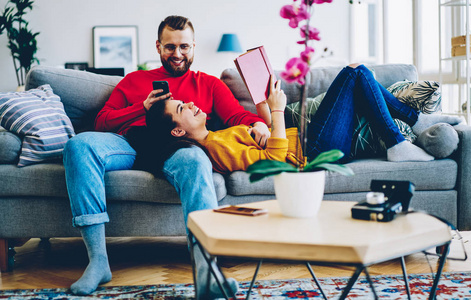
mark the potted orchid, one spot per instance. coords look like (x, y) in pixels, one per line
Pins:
(300, 190)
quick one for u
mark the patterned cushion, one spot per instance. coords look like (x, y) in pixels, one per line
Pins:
(425, 96)
(38, 117)
(292, 116)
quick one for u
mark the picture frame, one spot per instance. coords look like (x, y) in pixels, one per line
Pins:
(115, 47)
(82, 66)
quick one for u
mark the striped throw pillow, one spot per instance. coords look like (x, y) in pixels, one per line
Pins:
(38, 117)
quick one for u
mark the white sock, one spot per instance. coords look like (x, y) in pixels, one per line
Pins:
(426, 120)
(406, 151)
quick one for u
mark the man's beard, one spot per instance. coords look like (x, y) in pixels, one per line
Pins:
(177, 71)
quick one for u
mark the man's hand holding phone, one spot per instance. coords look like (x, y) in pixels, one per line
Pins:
(160, 92)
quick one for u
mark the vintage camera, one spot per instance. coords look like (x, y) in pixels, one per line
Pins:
(386, 199)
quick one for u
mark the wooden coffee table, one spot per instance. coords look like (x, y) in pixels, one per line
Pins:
(331, 237)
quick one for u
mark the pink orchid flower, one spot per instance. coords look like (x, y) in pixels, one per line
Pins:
(307, 54)
(310, 2)
(294, 13)
(313, 34)
(296, 70)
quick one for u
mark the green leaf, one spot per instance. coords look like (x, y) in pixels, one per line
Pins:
(324, 157)
(344, 170)
(265, 168)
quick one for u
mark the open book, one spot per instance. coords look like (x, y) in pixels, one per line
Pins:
(255, 69)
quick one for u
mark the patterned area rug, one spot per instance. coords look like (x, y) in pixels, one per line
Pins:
(451, 286)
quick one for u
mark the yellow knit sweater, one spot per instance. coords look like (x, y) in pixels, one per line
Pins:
(234, 149)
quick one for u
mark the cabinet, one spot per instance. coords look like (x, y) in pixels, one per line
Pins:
(450, 15)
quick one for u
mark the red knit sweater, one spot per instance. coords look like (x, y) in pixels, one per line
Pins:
(125, 106)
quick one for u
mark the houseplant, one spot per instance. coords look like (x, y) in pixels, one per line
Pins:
(21, 40)
(299, 190)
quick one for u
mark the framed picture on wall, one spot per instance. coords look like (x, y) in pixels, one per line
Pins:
(115, 47)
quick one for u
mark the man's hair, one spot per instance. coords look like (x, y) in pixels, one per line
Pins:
(175, 23)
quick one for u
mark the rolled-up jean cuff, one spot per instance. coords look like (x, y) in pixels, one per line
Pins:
(93, 219)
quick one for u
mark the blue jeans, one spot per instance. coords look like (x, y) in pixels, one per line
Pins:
(88, 155)
(355, 90)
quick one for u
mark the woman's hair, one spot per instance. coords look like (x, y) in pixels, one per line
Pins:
(154, 143)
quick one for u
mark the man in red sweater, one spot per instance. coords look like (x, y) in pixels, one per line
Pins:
(89, 155)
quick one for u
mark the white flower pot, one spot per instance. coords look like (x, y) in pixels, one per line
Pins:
(300, 194)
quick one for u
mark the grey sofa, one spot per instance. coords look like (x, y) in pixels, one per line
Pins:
(34, 201)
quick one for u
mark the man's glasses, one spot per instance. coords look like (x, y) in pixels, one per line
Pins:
(170, 49)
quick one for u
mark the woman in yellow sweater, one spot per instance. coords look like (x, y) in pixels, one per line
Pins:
(231, 149)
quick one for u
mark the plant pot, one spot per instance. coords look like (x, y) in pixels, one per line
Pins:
(300, 194)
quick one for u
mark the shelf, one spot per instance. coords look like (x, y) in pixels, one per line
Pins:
(454, 3)
(462, 81)
(455, 58)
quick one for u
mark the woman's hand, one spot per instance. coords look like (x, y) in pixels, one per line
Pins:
(277, 98)
(277, 102)
(260, 133)
(152, 98)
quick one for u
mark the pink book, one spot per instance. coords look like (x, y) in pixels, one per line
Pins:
(255, 69)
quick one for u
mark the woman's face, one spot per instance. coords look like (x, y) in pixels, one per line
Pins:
(187, 116)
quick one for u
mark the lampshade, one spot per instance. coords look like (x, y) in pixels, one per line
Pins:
(229, 42)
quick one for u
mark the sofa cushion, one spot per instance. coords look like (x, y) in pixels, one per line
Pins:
(82, 93)
(433, 175)
(48, 180)
(143, 186)
(10, 147)
(425, 96)
(38, 116)
(440, 140)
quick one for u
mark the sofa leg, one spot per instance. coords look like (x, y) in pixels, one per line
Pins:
(7, 252)
(3, 255)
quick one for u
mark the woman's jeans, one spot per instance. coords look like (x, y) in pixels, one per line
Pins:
(88, 155)
(355, 91)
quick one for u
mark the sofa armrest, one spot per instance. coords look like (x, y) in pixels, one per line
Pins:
(463, 158)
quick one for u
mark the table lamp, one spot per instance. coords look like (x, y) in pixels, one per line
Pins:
(230, 43)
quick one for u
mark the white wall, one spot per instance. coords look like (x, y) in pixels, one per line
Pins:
(65, 28)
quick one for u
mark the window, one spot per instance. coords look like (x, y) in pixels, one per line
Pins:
(396, 31)
(366, 25)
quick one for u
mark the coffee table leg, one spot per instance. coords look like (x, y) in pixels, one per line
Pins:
(371, 283)
(406, 280)
(193, 264)
(351, 282)
(441, 264)
(253, 279)
(308, 265)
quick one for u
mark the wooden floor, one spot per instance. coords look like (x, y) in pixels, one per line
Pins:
(142, 261)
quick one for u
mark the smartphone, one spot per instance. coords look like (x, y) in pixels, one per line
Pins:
(239, 210)
(160, 85)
